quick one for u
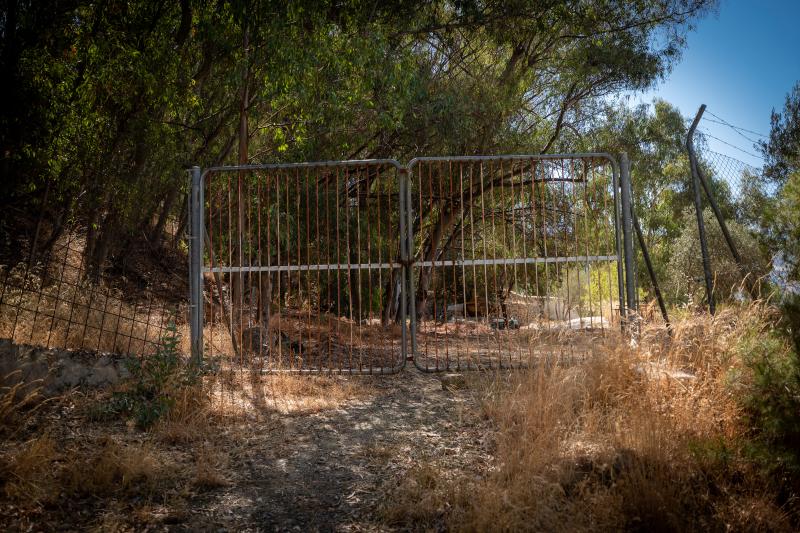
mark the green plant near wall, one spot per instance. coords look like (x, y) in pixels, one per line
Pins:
(156, 380)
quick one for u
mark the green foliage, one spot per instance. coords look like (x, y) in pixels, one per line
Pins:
(654, 138)
(772, 399)
(585, 288)
(684, 273)
(112, 101)
(155, 380)
(778, 208)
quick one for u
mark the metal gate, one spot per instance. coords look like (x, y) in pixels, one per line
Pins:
(454, 263)
(515, 258)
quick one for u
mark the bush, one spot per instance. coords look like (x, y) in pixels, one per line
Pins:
(685, 268)
(772, 401)
(157, 381)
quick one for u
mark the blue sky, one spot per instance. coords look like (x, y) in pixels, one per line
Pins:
(741, 63)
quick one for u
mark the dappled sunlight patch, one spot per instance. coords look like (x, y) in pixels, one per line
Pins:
(254, 395)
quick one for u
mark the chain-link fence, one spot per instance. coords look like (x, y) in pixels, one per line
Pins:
(729, 196)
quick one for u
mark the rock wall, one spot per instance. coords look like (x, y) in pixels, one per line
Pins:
(54, 370)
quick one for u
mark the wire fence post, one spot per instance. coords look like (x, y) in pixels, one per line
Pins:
(701, 228)
(627, 237)
(652, 273)
(195, 266)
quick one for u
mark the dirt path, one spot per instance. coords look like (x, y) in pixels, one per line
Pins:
(327, 471)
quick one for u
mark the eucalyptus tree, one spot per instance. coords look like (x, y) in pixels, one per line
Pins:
(777, 208)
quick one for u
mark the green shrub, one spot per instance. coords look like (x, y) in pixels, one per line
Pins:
(156, 379)
(772, 401)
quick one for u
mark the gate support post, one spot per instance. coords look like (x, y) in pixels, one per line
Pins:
(403, 175)
(410, 297)
(196, 265)
(627, 237)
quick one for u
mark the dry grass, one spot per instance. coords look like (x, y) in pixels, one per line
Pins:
(110, 467)
(27, 473)
(621, 442)
(209, 466)
(191, 417)
(17, 400)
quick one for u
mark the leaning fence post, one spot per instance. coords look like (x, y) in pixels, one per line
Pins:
(652, 273)
(195, 266)
(701, 227)
(627, 237)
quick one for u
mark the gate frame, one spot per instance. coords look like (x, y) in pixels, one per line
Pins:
(623, 217)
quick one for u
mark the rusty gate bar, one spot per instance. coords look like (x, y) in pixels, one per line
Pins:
(469, 326)
(307, 263)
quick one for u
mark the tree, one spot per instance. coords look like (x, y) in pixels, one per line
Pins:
(780, 187)
(127, 94)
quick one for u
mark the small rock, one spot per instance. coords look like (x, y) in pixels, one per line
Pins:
(452, 382)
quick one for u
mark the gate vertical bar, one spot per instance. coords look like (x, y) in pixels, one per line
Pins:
(409, 238)
(618, 238)
(403, 242)
(627, 236)
(195, 266)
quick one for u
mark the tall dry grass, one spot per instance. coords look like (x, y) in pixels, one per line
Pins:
(647, 437)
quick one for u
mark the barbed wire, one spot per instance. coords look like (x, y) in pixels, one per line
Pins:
(739, 148)
(738, 129)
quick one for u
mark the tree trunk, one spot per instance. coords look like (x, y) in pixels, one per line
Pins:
(391, 302)
(166, 208)
(103, 246)
(183, 219)
(237, 279)
(445, 221)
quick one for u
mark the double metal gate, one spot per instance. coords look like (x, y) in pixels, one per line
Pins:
(449, 262)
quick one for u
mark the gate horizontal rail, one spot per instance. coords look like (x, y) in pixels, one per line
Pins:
(515, 261)
(406, 281)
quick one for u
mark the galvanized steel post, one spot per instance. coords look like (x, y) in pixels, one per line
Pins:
(403, 178)
(698, 206)
(195, 265)
(618, 239)
(408, 267)
(627, 236)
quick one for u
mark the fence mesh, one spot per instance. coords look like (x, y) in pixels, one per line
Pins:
(55, 303)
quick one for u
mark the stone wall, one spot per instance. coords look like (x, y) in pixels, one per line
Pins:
(55, 370)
